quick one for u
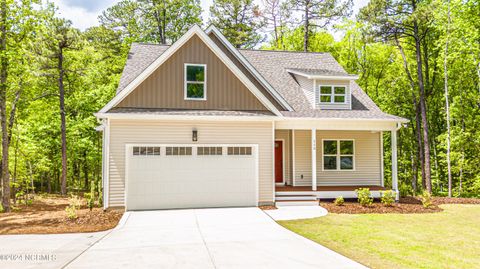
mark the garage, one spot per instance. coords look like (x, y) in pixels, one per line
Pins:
(190, 176)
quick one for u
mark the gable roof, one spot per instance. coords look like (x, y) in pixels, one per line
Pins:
(159, 60)
(321, 73)
(275, 69)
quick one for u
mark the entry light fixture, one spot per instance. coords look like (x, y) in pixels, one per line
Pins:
(194, 135)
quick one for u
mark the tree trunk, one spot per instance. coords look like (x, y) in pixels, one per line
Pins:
(306, 27)
(3, 106)
(85, 169)
(63, 127)
(447, 107)
(423, 108)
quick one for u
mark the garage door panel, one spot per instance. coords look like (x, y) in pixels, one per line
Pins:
(157, 182)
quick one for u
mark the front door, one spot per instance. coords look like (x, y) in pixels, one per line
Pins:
(278, 161)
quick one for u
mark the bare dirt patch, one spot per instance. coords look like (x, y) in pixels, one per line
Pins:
(455, 200)
(47, 215)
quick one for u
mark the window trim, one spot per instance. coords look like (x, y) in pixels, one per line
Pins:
(332, 94)
(185, 82)
(338, 155)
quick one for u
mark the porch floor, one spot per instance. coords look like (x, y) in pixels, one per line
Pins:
(326, 188)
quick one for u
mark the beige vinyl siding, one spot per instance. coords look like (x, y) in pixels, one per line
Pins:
(307, 87)
(367, 159)
(180, 132)
(285, 136)
(348, 98)
(165, 87)
(303, 158)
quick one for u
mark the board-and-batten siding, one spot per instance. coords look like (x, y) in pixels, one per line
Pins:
(285, 136)
(367, 159)
(164, 88)
(180, 132)
(348, 97)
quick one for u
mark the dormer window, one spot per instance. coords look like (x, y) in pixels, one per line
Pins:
(332, 94)
(195, 82)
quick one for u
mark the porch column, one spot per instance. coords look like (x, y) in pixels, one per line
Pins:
(314, 159)
(394, 165)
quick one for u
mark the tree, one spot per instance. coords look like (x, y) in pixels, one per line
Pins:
(58, 39)
(277, 17)
(238, 20)
(319, 14)
(447, 106)
(408, 21)
(159, 21)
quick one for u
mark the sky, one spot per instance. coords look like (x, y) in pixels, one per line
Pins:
(84, 13)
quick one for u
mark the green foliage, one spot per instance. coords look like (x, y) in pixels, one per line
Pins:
(74, 205)
(364, 196)
(1, 208)
(404, 190)
(339, 201)
(90, 197)
(426, 199)
(387, 197)
(238, 20)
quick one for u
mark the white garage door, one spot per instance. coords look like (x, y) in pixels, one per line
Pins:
(190, 176)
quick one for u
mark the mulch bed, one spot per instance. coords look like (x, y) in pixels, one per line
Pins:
(47, 215)
(407, 205)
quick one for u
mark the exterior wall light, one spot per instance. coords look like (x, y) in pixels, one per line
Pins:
(194, 135)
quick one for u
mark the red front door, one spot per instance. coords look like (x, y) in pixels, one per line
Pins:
(278, 162)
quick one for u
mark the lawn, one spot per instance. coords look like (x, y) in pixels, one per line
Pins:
(447, 239)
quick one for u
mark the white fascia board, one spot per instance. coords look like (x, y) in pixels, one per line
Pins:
(171, 50)
(249, 67)
(332, 77)
(283, 121)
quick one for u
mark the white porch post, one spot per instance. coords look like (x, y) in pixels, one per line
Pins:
(394, 165)
(314, 159)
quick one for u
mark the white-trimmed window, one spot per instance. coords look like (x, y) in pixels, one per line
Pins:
(209, 151)
(329, 94)
(239, 151)
(195, 82)
(338, 154)
(146, 151)
(178, 151)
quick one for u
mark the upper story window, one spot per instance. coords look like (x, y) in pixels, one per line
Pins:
(332, 94)
(195, 82)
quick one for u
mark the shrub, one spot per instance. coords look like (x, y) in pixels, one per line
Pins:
(426, 199)
(1, 208)
(90, 197)
(405, 190)
(387, 197)
(339, 201)
(71, 209)
(364, 196)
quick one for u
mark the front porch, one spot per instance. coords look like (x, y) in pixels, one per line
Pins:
(312, 164)
(285, 192)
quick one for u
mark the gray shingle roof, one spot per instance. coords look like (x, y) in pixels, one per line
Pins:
(272, 65)
(322, 72)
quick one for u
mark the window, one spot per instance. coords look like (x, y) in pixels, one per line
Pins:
(146, 151)
(195, 82)
(332, 94)
(338, 154)
(239, 151)
(209, 151)
(178, 151)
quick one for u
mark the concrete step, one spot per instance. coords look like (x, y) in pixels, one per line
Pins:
(295, 198)
(296, 203)
(294, 193)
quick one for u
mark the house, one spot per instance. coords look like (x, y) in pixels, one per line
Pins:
(203, 124)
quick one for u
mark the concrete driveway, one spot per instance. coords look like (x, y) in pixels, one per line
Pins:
(204, 238)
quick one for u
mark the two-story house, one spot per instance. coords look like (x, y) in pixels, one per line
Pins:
(203, 124)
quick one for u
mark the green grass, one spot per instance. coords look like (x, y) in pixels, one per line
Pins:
(448, 239)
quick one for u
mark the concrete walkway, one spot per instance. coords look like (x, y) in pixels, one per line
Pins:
(297, 212)
(201, 238)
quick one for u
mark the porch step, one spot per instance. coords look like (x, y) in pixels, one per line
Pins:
(297, 203)
(295, 198)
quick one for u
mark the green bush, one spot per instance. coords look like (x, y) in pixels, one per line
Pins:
(339, 201)
(387, 197)
(405, 190)
(90, 197)
(364, 196)
(426, 199)
(1, 208)
(71, 209)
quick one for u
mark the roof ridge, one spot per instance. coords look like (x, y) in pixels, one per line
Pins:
(151, 44)
(287, 51)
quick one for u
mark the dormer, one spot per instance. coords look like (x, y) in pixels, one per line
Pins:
(325, 89)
